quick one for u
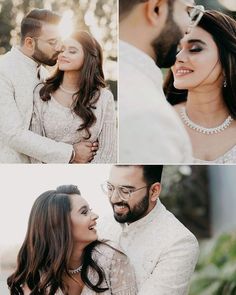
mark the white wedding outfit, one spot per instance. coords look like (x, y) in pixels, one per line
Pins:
(161, 249)
(149, 129)
(18, 78)
(228, 158)
(60, 123)
(119, 275)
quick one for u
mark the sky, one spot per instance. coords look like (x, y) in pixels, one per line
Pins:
(22, 184)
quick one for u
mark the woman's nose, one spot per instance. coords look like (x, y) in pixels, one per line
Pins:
(181, 56)
(94, 216)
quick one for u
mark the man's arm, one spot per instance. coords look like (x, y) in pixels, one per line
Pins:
(172, 273)
(13, 133)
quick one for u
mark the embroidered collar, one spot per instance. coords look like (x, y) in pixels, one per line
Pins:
(29, 61)
(153, 215)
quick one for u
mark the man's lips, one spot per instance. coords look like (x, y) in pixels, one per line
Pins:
(120, 208)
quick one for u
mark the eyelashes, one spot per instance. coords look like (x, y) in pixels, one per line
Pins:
(191, 50)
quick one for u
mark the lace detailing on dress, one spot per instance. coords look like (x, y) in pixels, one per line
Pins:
(228, 158)
(119, 275)
(60, 123)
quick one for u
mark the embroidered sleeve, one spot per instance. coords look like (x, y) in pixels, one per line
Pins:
(107, 137)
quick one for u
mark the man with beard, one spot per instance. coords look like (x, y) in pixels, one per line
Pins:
(20, 71)
(162, 250)
(149, 129)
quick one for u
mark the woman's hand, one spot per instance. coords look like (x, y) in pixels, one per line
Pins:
(85, 151)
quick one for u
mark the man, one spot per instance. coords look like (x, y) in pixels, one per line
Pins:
(20, 72)
(149, 129)
(162, 250)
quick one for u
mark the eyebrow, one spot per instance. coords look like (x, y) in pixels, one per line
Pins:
(83, 207)
(72, 47)
(196, 41)
(122, 185)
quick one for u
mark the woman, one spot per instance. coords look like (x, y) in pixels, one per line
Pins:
(74, 105)
(61, 253)
(202, 87)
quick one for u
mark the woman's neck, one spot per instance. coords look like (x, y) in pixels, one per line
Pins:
(70, 80)
(207, 108)
(76, 258)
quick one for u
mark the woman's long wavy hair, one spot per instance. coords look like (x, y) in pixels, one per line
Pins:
(44, 257)
(90, 82)
(223, 31)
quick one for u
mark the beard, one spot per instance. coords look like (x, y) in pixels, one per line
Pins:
(138, 211)
(165, 45)
(41, 57)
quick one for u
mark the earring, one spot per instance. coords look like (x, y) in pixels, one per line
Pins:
(225, 84)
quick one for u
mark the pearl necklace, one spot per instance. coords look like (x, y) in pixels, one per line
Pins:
(201, 129)
(67, 91)
(75, 271)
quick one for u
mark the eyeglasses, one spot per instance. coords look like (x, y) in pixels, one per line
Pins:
(52, 43)
(123, 192)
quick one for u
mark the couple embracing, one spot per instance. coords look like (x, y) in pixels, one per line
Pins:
(68, 117)
(199, 47)
(142, 249)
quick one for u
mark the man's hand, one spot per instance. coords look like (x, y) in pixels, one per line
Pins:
(85, 151)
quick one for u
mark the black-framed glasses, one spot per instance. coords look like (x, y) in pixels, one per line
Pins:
(123, 192)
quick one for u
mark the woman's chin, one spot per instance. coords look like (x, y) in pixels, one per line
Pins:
(181, 86)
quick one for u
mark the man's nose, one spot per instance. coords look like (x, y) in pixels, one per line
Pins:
(58, 46)
(115, 197)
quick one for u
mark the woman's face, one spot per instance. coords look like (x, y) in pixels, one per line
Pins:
(197, 62)
(83, 221)
(71, 57)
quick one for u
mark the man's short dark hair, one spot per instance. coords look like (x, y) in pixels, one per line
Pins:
(31, 24)
(152, 173)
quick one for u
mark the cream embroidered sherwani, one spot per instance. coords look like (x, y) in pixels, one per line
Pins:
(18, 78)
(161, 249)
(150, 131)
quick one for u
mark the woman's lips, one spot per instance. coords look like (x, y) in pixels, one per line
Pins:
(183, 72)
(64, 61)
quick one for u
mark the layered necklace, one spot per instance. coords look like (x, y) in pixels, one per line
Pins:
(67, 90)
(75, 271)
(200, 129)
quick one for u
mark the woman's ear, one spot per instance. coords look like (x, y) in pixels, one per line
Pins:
(155, 191)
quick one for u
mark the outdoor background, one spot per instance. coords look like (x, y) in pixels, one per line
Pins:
(202, 197)
(99, 17)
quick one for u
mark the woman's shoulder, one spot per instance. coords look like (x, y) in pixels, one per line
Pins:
(109, 250)
(106, 95)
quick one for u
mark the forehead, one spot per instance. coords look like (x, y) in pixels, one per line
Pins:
(69, 42)
(77, 202)
(49, 31)
(126, 175)
(198, 34)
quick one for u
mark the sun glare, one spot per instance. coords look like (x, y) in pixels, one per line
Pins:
(66, 25)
